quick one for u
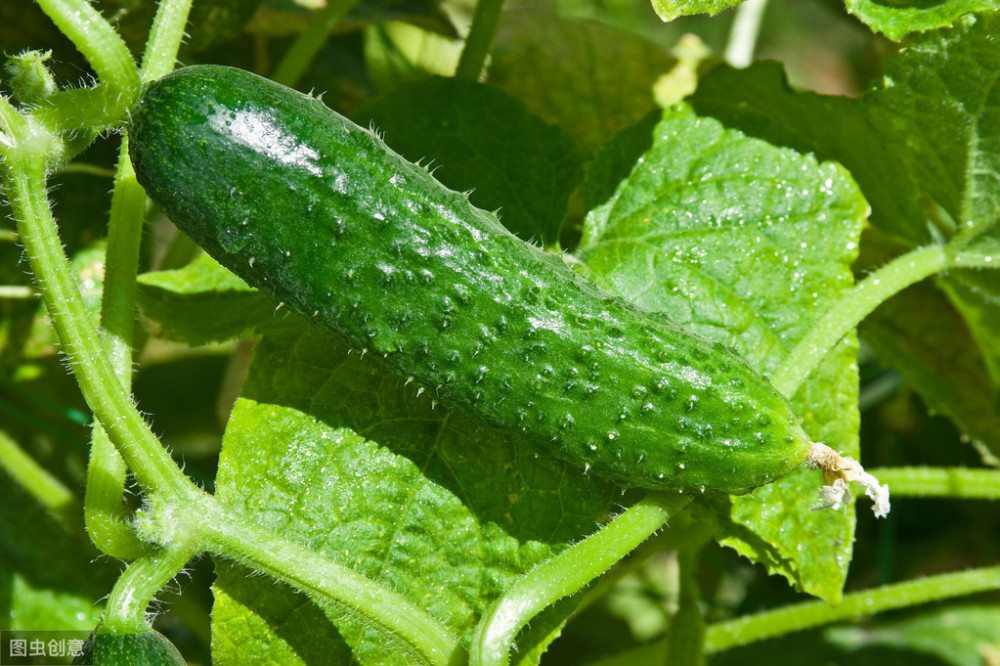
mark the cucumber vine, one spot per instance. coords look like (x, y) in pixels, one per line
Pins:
(45, 127)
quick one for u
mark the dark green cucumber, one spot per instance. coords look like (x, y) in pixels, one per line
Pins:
(317, 211)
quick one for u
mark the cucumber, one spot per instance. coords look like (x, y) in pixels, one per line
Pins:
(305, 205)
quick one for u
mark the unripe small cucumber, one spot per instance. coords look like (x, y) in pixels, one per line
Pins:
(320, 213)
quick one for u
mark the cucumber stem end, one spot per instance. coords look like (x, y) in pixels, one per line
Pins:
(838, 472)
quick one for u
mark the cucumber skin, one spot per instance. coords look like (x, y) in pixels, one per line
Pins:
(320, 213)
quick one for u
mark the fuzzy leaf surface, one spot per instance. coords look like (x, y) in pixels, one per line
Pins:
(668, 10)
(901, 17)
(940, 95)
(747, 244)
(759, 102)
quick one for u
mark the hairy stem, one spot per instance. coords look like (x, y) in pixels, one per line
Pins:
(128, 210)
(104, 512)
(954, 482)
(139, 583)
(480, 39)
(94, 37)
(165, 38)
(226, 534)
(111, 404)
(687, 628)
(567, 573)
(851, 309)
(307, 45)
(797, 617)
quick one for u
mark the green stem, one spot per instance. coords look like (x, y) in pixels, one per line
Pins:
(227, 534)
(16, 291)
(479, 40)
(139, 583)
(567, 573)
(797, 617)
(111, 404)
(687, 628)
(86, 169)
(310, 41)
(851, 309)
(165, 38)
(104, 512)
(955, 482)
(97, 40)
(50, 492)
(128, 210)
(744, 32)
(12, 124)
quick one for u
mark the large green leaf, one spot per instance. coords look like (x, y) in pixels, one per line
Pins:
(596, 79)
(940, 96)
(976, 294)
(896, 18)
(351, 461)
(478, 138)
(759, 102)
(747, 244)
(921, 334)
(961, 635)
(41, 560)
(202, 302)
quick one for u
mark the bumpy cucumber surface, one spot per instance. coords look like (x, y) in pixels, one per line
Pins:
(319, 212)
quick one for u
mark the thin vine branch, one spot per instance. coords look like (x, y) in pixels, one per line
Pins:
(954, 482)
(125, 612)
(37, 481)
(744, 32)
(97, 40)
(305, 47)
(797, 617)
(165, 36)
(567, 573)
(480, 39)
(152, 465)
(851, 309)
(224, 533)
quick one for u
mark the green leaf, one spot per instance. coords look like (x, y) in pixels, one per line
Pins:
(919, 333)
(203, 302)
(589, 77)
(479, 138)
(940, 95)
(51, 577)
(668, 10)
(976, 296)
(353, 462)
(897, 18)
(957, 635)
(759, 102)
(747, 244)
